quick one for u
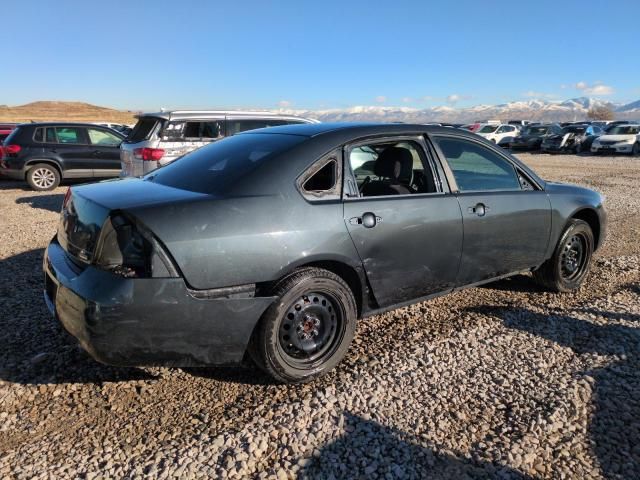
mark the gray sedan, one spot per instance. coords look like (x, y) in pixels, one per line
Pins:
(274, 242)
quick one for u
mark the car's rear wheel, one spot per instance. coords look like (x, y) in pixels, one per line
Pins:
(308, 329)
(43, 177)
(567, 268)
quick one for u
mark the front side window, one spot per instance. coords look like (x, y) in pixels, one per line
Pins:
(477, 168)
(103, 138)
(392, 167)
(69, 134)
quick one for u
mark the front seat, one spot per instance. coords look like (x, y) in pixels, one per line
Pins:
(395, 166)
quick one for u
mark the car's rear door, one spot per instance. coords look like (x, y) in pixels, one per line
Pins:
(71, 145)
(105, 152)
(413, 247)
(506, 217)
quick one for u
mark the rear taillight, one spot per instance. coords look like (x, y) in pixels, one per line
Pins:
(67, 196)
(127, 249)
(11, 149)
(148, 154)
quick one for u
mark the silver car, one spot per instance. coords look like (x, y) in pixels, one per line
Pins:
(159, 138)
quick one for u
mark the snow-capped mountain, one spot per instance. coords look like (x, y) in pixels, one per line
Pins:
(538, 110)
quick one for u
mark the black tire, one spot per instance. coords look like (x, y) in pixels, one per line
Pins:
(567, 268)
(313, 307)
(636, 149)
(43, 177)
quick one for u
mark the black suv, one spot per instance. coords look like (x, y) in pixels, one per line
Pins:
(45, 153)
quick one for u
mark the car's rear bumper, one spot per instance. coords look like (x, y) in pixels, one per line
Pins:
(144, 322)
(16, 174)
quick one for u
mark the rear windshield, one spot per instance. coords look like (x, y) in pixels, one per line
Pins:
(12, 136)
(536, 131)
(213, 168)
(142, 130)
(574, 129)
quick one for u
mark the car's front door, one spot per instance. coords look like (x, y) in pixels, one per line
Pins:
(407, 230)
(105, 152)
(506, 218)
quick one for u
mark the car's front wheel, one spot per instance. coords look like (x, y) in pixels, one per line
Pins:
(569, 265)
(308, 329)
(43, 177)
(636, 149)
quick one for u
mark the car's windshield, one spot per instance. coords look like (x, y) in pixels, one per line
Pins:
(213, 168)
(574, 129)
(488, 129)
(536, 131)
(625, 130)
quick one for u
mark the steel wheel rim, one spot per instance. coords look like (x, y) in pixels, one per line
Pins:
(43, 178)
(573, 257)
(311, 329)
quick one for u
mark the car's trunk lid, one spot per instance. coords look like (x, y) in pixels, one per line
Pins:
(86, 208)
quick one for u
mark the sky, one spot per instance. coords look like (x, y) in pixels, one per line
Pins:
(317, 55)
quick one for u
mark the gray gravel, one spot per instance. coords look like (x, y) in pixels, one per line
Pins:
(505, 381)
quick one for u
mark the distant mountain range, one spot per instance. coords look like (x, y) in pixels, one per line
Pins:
(538, 110)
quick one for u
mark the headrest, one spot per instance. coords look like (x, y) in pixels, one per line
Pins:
(395, 163)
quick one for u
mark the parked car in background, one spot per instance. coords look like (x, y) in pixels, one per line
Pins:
(6, 129)
(43, 154)
(501, 134)
(573, 138)
(619, 139)
(532, 136)
(519, 123)
(159, 138)
(266, 243)
(472, 127)
(615, 123)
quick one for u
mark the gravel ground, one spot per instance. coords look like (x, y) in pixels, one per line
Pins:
(504, 381)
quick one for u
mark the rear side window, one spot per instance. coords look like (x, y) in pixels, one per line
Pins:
(69, 135)
(38, 136)
(51, 135)
(237, 126)
(477, 168)
(208, 130)
(143, 129)
(221, 165)
(323, 179)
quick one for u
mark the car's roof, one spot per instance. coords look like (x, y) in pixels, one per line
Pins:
(61, 124)
(191, 114)
(357, 128)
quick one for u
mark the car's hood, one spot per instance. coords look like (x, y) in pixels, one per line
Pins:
(617, 138)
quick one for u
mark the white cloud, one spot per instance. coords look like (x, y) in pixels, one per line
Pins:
(453, 98)
(407, 100)
(597, 89)
(534, 94)
(284, 103)
(381, 99)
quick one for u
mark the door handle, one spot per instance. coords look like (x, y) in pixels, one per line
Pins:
(480, 209)
(367, 220)
(96, 153)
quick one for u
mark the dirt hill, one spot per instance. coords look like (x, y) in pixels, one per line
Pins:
(64, 111)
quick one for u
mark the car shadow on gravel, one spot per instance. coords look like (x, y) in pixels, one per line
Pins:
(615, 425)
(244, 374)
(371, 450)
(517, 283)
(52, 203)
(34, 347)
